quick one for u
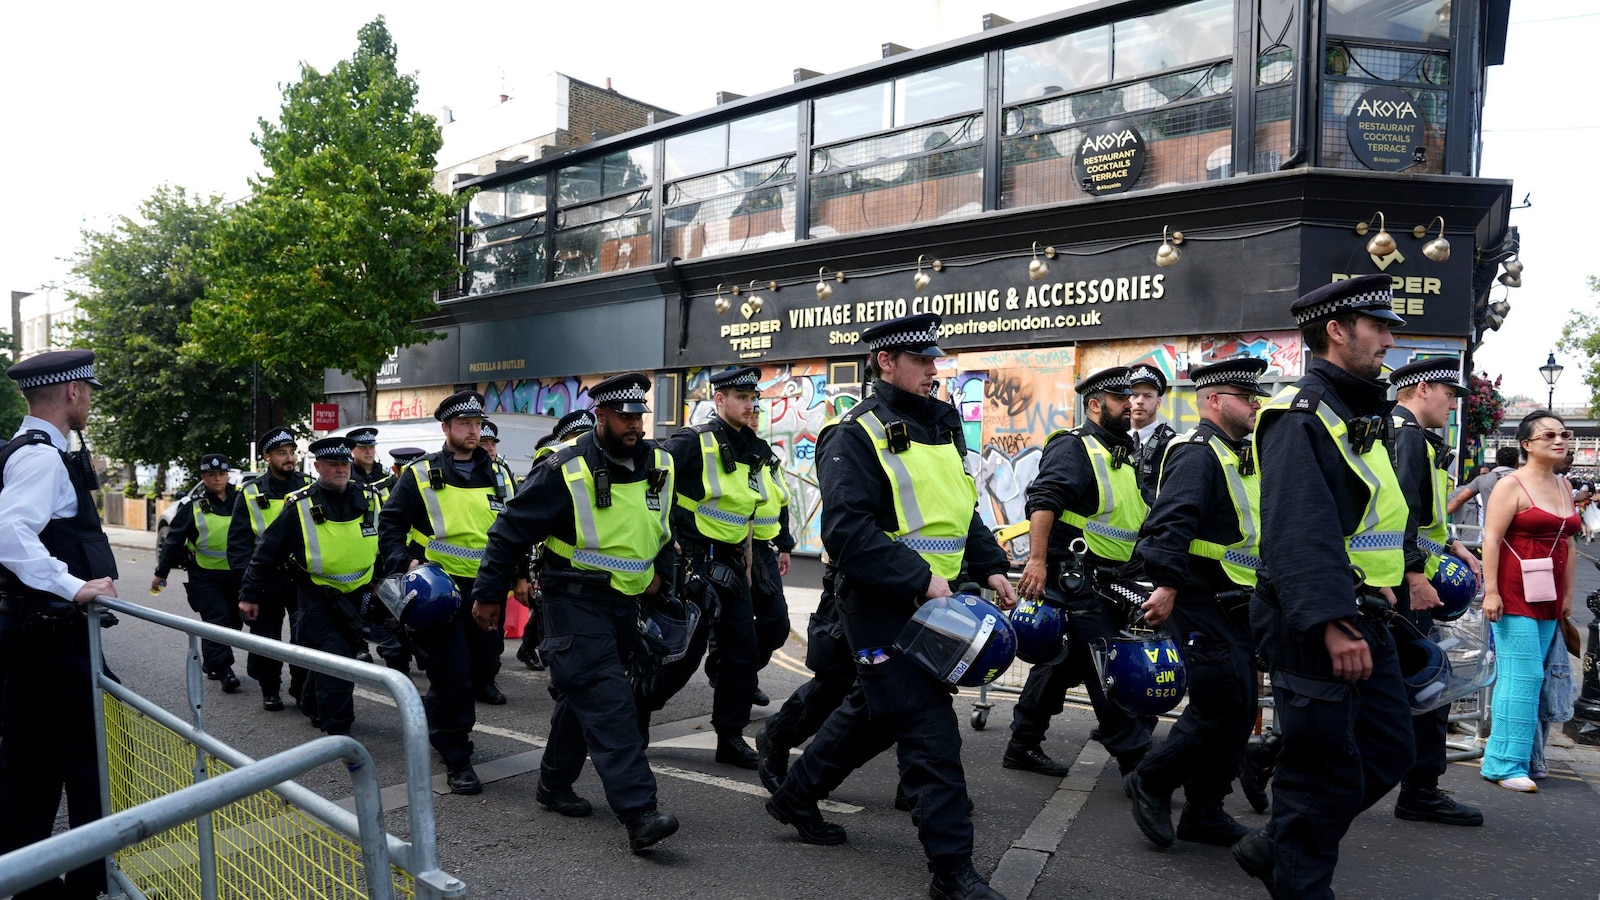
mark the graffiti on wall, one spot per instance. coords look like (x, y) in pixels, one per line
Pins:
(539, 396)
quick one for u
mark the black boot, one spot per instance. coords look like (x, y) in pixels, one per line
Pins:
(490, 694)
(648, 828)
(760, 698)
(1208, 823)
(1434, 805)
(562, 800)
(806, 819)
(1152, 810)
(773, 765)
(962, 884)
(270, 701)
(732, 749)
(230, 681)
(1126, 763)
(464, 781)
(1255, 855)
(1030, 758)
(529, 656)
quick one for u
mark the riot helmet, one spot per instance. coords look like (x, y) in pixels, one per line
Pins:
(424, 597)
(670, 624)
(1142, 671)
(1041, 632)
(1457, 588)
(1446, 664)
(961, 640)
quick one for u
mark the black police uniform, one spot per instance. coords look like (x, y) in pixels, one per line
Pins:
(1147, 459)
(277, 595)
(212, 593)
(47, 727)
(766, 590)
(325, 618)
(589, 629)
(1210, 617)
(1345, 744)
(1066, 482)
(878, 585)
(456, 652)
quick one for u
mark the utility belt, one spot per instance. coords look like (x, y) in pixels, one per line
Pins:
(48, 616)
(1235, 604)
(572, 582)
(27, 604)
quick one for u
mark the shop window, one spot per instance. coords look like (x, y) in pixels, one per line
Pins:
(919, 174)
(733, 210)
(1351, 70)
(603, 224)
(1067, 63)
(1409, 21)
(909, 100)
(505, 238)
(1180, 36)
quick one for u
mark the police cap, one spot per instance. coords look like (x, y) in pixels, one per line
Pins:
(626, 393)
(364, 437)
(55, 367)
(403, 455)
(1238, 371)
(1445, 370)
(1370, 295)
(1145, 373)
(573, 423)
(213, 462)
(913, 334)
(1106, 381)
(460, 405)
(332, 449)
(273, 438)
(487, 432)
(745, 379)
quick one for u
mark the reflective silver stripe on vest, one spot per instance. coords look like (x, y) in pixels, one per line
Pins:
(258, 518)
(765, 520)
(1369, 517)
(1248, 530)
(430, 499)
(933, 545)
(1117, 534)
(314, 548)
(582, 507)
(452, 550)
(204, 531)
(711, 512)
(612, 563)
(214, 554)
(1431, 545)
(1378, 540)
(1242, 559)
(902, 476)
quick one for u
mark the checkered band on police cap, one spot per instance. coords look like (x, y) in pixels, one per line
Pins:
(468, 404)
(487, 431)
(54, 367)
(364, 437)
(921, 334)
(1240, 371)
(404, 455)
(274, 438)
(1437, 370)
(1111, 381)
(573, 423)
(332, 449)
(626, 393)
(1372, 295)
(745, 379)
(1144, 373)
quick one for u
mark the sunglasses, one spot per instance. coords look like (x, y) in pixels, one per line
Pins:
(1551, 435)
(1251, 399)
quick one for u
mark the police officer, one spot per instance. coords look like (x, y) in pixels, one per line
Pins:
(198, 541)
(1151, 433)
(260, 502)
(833, 674)
(364, 468)
(489, 440)
(394, 643)
(900, 522)
(1087, 481)
(1199, 546)
(721, 484)
(770, 549)
(53, 555)
(601, 506)
(328, 536)
(450, 498)
(568, 428)
(1426, 393)
(1333, 520)
(403, 456)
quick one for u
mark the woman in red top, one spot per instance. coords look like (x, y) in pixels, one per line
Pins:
(1522, 528)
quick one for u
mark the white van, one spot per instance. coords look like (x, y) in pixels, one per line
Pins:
(518, 435)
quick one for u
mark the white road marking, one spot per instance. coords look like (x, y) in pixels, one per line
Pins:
(754, 790)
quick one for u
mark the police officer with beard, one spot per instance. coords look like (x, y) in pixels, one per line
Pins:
(601, 506)
(260, 502)
(53, 556)
(1333, 521)
(451, 498)
(1426, 393)
(1150, 433)
(1199, 546)
(1086, 480)
(900, 522)
(198, 541)
(327, 536)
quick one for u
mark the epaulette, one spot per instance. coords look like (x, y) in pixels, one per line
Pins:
(854, 412)
(297, 495)
(703, 427)
(559, 458)
(1198, 437)
(1306, 400)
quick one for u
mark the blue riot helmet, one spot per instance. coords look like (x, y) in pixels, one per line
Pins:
(1446, 664)
(1143, 672)
(961, 640)
(1457, 588)
(1041, 632)
(424, 597)
(671, 622)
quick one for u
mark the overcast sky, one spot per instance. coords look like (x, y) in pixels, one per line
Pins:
(102, 103)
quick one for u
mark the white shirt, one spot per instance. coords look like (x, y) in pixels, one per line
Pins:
(1142, 435)
(37, 489)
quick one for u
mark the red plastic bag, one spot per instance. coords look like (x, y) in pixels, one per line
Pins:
(516, 617)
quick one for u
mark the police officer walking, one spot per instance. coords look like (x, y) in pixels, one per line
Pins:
(1426, 393)
(567, 429)
(1150, 433)
(328, 536)
(1087, 488)
(198, 541)
(1333, 520)
(601, 506)
(260, 502)
(450, 498)
(489, 440)
(1199, 547)
(770, 549)
(53, 556)
(364, 468)
(900, 522)
(721, 484)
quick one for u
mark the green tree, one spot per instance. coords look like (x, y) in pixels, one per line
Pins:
(12, 406)
(143, 275)
(1581, 337)
(338, 253)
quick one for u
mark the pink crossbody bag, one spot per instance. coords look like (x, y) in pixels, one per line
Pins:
(1539, 575)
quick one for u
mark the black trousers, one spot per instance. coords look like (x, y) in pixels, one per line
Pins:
(1430, 730)
(833, 677)
(329, 624)
(276, 605)
(770, 607)
(588, 641)
(214, 595)
(1204, 747)
(47, 741)
(727, 614)
(449, 702)
(1089, 619)
(483, 647)
(897, 703)
(1345, 745)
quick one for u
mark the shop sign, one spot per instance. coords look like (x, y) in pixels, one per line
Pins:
(1386, 128)
(1110, 158)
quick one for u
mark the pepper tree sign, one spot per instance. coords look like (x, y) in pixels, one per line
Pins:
(1111, 158)
(1386, 129)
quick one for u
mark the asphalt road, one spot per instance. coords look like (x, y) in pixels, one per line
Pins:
(1048, 838)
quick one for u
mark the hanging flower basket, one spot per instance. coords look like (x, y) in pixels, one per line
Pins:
(1485, 407)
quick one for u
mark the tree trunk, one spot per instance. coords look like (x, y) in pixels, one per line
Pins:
(371, 384)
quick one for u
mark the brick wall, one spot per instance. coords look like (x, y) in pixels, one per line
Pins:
(595, 110)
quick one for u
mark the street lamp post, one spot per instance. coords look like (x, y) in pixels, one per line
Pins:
(1551, 371)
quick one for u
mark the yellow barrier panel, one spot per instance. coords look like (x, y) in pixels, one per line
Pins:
(264, 847)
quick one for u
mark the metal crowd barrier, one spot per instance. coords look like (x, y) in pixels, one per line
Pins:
(320, 840)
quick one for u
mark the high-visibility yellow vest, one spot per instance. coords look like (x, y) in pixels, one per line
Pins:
(1433, 532)
(1113, 527)
(934, 497)
(210, 544)
(263, 510)
(338, 555)
(1377, 546)
(621, 539)
(460, 518)
(1240, 559)
(728, 504)
(768, 522)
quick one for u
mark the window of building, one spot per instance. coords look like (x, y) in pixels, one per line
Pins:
(1277, 47)
(1180, 36)
(1350, 69)
(1404, 21)
(734, 143)
(603, 219)
(1067, 63)
(733, 210)
(505, 240)
(899, 102)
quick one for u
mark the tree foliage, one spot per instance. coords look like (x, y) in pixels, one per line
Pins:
(338, 252)
(12, 406)
(143, 277)
(1581, 336)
